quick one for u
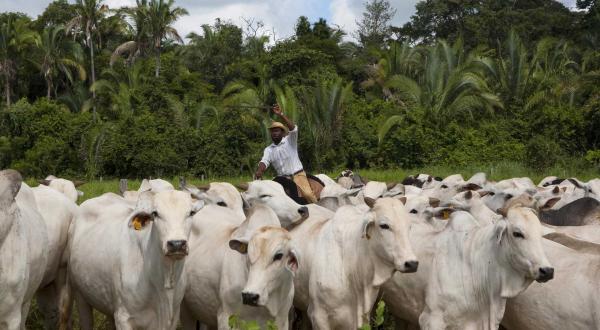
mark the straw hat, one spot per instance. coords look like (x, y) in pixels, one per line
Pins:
(277, 124)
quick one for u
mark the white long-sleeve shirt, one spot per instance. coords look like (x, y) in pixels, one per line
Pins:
(284, 156)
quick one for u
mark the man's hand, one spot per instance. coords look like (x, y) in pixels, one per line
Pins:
(258, 175)
(277, 110)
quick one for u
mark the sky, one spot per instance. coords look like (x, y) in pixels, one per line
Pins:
(277, 15)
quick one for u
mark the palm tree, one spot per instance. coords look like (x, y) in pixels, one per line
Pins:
(15, 36)
(161, 18)
(400, 58)
(137, 25)
(451, 83)
(323, 106)
(89, 14)
(59, 55)
(153, 24)
(120, 87)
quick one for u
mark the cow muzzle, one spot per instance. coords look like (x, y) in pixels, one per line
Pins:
(303, 211)
(545, 274)
(177, 249)
(250, 298)
(410, 266)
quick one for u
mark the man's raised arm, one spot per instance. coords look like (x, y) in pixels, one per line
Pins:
(288, 122)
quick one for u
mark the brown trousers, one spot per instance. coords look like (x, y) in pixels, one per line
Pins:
(301, 181)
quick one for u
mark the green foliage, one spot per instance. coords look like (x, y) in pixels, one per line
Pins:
(236, 323)
(378, 317)
(542, 152)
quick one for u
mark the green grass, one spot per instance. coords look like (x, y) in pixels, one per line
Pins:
(495, 172)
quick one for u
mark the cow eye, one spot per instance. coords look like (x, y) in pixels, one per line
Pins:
(155, 214)
(518, 234)
(265, 196)
(444, 186)
(492, 193)
(509, 196)
(222, 204)
(384, 226)
(414, 211)
(278, 256)
(192, 213)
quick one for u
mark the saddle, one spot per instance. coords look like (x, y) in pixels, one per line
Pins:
(292, 190)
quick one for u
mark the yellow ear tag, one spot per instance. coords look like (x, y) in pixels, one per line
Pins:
(445, 215)
(137, 223)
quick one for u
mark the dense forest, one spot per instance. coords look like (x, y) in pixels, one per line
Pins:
(93, 91)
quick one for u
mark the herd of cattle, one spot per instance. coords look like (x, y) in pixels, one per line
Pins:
(442, 253)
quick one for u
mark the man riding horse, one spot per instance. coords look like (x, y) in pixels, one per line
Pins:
(282, 154)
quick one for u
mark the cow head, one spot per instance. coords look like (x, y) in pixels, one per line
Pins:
(169, 215)
(10, 184)
(273, 262)
(386, 227)
(519, 237)
(271, 193)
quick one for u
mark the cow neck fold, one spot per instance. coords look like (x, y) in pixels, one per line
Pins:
(165, 274)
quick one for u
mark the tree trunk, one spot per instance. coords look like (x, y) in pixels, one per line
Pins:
(7, 90)
(93, 77)
(49, 90)
(156, 72)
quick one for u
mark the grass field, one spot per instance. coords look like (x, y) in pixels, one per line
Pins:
(495, 172)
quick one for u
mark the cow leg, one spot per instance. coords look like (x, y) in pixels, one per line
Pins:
(24, 313)
(431, 320)
(86, 316)
(48, 304)
(122, 320)
(13, 321)
(65, 299)
(318, 318)
(187, 320)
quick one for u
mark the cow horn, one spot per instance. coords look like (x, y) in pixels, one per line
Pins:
(44, 182)
(242, 186)
(78, 183)
(391, 185)
(370, 202)
(203, 187)
(122, 186)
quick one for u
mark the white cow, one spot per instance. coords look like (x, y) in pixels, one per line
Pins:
(475, 269)
(66, 187)
(58, 212)
(127, 262)
(358, 252)
(23, 249)
(405, 294)
(254, 282)
(570, 301)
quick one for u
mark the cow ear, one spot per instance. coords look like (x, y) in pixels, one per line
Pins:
(499, 230)
(469, 194)
(143, 210)
(502, 211)
(292, 261)
(434, 202)
(197, 206)
(242, 186)
(367, 225)
(370, 202)
(403, 199)
(390, 185)
(564, 189)
(240, 245)
(550, 203)
(483, 193)
(556, 190)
